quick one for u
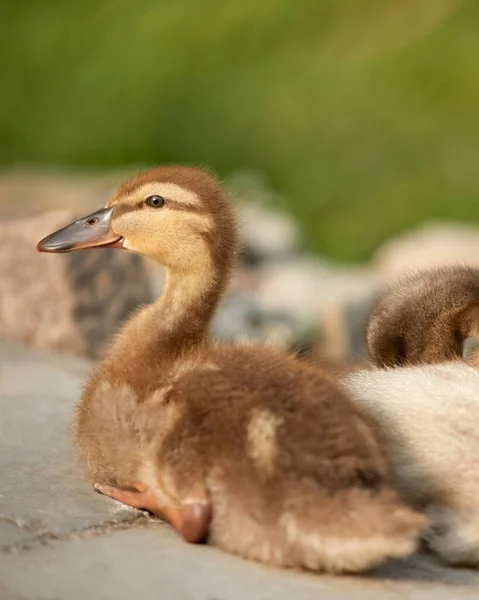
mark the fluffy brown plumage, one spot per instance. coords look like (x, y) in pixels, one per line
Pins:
(249, 446)
(425, 318)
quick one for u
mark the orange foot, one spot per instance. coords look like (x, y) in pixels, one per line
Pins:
(191, 519)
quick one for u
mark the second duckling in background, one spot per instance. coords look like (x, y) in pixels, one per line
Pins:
(425, 398)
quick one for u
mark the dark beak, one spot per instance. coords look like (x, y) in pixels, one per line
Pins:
(93, 231)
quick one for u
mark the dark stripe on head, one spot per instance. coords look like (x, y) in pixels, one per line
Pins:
(123, 209)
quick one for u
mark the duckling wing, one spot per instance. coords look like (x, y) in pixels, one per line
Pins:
(297, 475)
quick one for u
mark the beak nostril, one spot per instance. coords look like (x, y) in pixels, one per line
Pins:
(92, 231)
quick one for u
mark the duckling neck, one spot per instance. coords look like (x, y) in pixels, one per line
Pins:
(176, 325)
(187, 305)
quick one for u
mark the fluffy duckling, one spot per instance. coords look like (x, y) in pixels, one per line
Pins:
(247, 446)
(426, 318)
(428, 408)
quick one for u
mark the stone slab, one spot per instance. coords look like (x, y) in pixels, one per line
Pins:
(72, 543)
(11, 534)
(41, 482)
(154, 563)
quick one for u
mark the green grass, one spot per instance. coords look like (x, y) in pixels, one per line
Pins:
(363, 114)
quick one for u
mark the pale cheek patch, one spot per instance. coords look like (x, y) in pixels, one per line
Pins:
(133, 228)
(168, 229)
(185, 222)
(261, 438)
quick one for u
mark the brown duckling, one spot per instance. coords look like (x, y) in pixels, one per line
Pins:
(428, 408)
(247, 446)
(426, 318)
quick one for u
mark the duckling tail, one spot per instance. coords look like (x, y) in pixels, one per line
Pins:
(349, 532)
(353, 533)
(426, 318)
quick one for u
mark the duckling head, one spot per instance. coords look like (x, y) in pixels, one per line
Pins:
(174, 215)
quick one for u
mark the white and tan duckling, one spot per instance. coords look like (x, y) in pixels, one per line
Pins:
(425, 399)
(246, 446)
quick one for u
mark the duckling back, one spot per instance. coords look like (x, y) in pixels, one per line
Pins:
(425, 318)
(298, 476)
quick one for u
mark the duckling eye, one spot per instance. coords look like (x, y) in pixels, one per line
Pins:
(155, 201)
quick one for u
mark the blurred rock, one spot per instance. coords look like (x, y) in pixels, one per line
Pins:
(431, 245)
(30, 191)
(342, 338)
(357, 312)
(266, 233)
(241, 317)
(313, 305)
(291, 285)
(71, 303)
(306, 284)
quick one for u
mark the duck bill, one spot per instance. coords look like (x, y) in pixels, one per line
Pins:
(93, 231)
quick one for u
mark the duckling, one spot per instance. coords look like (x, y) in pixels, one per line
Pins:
(428, 407)
(247, 447)
(426, 318)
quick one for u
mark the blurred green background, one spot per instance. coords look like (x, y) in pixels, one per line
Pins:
(362, 114)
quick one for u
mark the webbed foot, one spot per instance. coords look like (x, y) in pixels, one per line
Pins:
(191, 519)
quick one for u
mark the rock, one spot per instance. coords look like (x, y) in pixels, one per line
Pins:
(11, 533)
(432, 245)
(293, 285)
(31, 191)
(152, 562)
(242, 318)
(43, 489)
(69, 303)
(342, 339)
(307, 284)
(266, 233)
(335, 300)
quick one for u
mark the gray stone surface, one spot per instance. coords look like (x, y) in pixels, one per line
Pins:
(41, 482)
(154, 563)
(12, 353)
(59, 540)
(11, 533)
